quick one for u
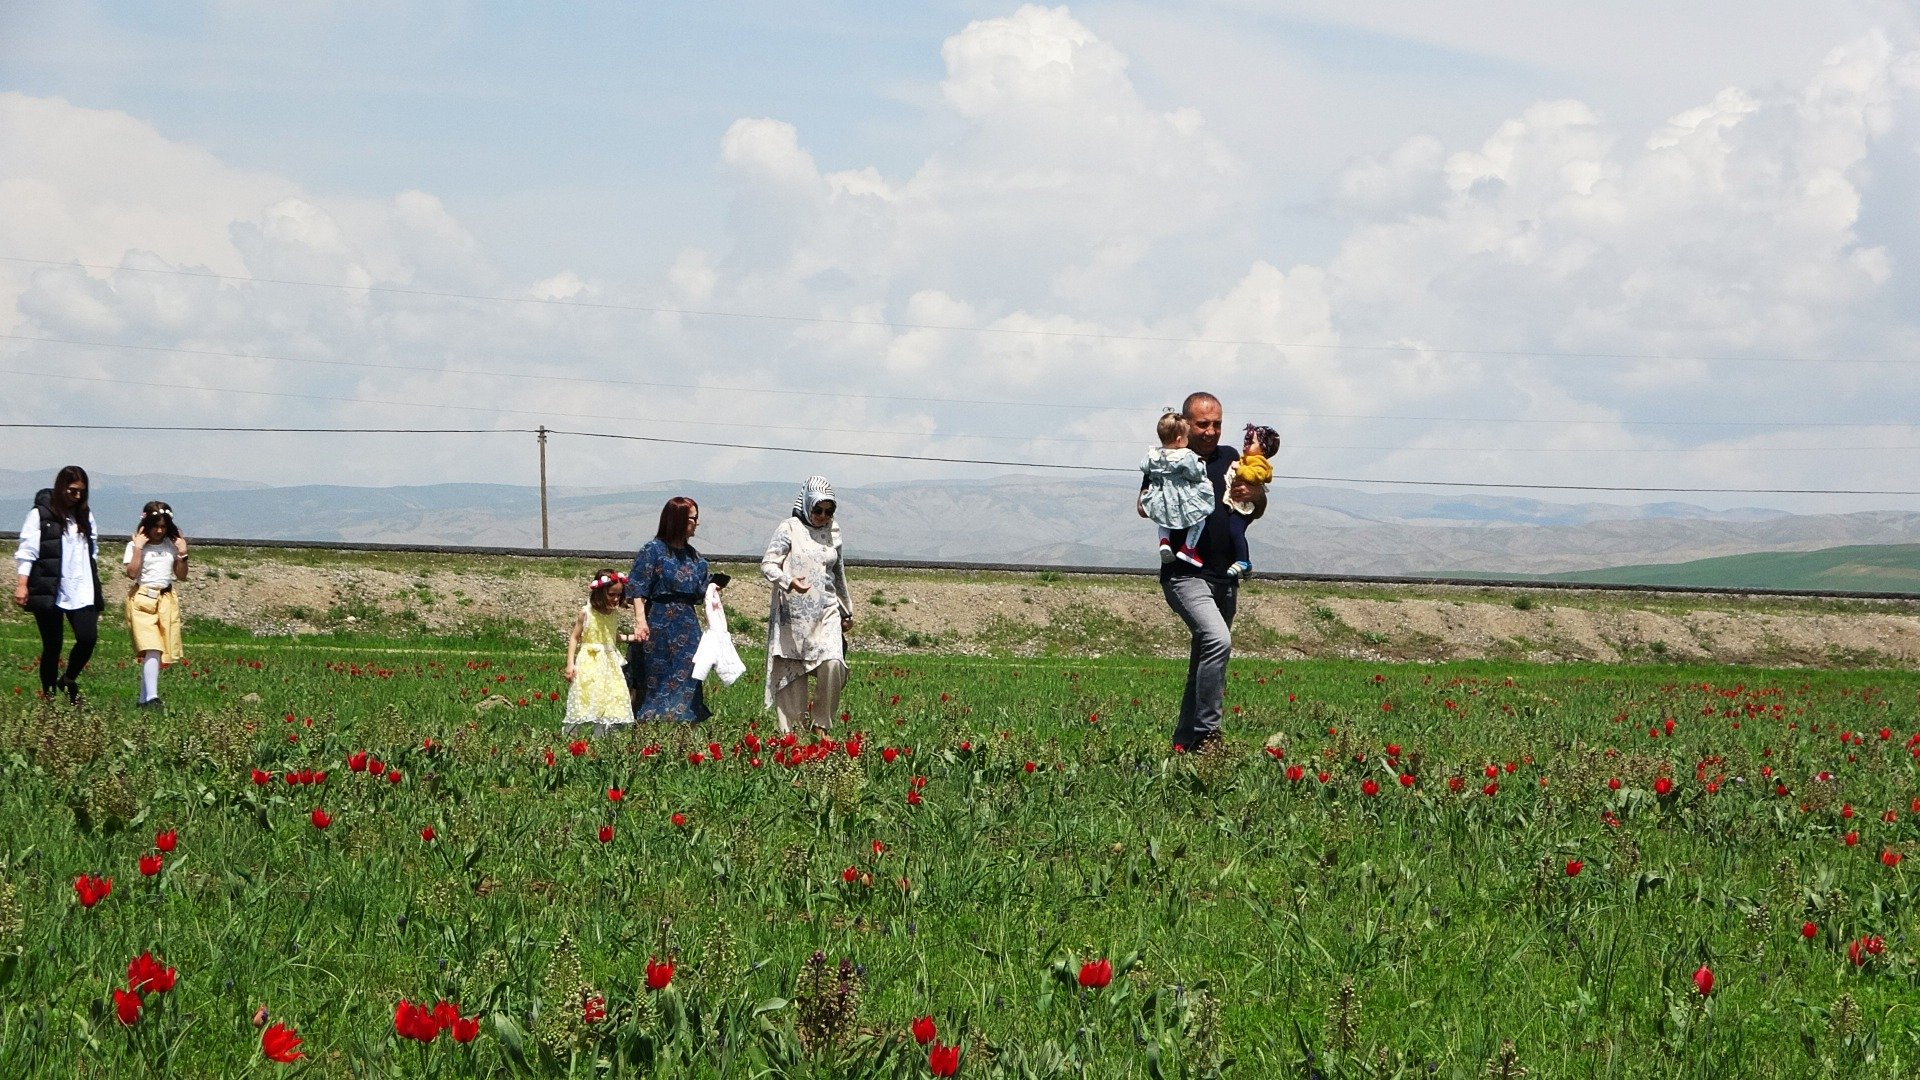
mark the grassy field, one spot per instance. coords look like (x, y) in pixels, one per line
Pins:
(1288, 906)
(1859, 568)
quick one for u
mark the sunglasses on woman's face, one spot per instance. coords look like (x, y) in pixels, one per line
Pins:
(824, 510)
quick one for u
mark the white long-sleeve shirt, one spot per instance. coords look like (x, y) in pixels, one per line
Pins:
(78, 553)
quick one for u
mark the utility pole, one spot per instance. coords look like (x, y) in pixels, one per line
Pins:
(543, 487)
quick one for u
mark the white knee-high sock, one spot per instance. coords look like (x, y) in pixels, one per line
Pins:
(149, 675)
(1194, 531)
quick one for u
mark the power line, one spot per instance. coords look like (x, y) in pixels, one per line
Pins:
(275, 430)
(1087, 335)
(733, 389)
(1007, 463)
(543, 412)
(949, 434)
(1276, 476)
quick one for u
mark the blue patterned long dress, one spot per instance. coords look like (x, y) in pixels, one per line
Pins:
(673, 582)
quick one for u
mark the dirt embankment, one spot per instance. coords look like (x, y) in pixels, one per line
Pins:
(274, 593)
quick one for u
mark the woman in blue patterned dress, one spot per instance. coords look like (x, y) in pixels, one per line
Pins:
(668, 584)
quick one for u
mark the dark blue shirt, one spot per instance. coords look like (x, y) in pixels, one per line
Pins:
(1216, 542)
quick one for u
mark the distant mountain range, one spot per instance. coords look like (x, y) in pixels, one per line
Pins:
(1006, 519)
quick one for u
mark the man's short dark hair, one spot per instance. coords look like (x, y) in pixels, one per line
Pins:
(1186, 407)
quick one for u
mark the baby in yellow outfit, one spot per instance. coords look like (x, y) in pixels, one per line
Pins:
(1256, 472)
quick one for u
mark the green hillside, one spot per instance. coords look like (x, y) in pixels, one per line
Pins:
(1861, 568)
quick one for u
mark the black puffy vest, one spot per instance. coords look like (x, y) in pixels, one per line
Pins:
(43, 578)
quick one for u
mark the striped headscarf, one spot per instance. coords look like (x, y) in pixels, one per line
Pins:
(812, 493)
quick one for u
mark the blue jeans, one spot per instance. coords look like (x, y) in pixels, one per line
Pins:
(1206, 605)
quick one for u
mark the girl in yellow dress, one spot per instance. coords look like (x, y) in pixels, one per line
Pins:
(598, 698)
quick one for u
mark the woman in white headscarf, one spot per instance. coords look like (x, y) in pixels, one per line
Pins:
(811, 611)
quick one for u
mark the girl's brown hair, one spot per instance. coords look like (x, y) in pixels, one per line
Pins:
(80, 512)
(600, 592)
(1171, 426)
(159, 513)
(676, 521)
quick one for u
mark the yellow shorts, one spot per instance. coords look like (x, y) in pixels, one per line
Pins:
(153, 621)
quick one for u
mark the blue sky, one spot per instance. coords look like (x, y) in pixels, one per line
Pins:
(1463, 181)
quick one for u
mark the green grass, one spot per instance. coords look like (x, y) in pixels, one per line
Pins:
(1235, 903)
(1859, 568)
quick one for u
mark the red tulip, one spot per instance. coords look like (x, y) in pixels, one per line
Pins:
(414, 1022)
(1406, 780)
(1663, 786)
(126, 1006)
(606, 834)
(1491, 789)
(1613, 784)
(1095, 974)
(943, 1060)
(1295, 773)
(594, 1010)
(393, 776)
(427, 834)
(1574, 866)
(577, 747)
(1370, 786)
(1030, 766)
(375, 767)
(357, 761)
(166, 841)
(679, 820)
(145, 975)
(658, 974)
(1456, 783)
(150, 864)
(887, 755)
(465, 1029)
(262, 778)
(923, 1030)
(279, 1043)
(849, 874)
(614, 794)
(92, 890)
(1807, 930)
(1850, 839)
(1890, 857)
(444, 1014)
(321, 819)
(1703, 980)
(913, 798)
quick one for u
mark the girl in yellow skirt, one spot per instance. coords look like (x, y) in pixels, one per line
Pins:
(155, 560)
(598, 698)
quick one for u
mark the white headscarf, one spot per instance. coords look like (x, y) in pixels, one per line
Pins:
(812, 493)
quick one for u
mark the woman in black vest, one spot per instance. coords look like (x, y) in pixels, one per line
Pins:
(59, 563)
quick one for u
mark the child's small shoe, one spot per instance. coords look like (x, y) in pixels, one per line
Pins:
(1240, 570)
(1166, 552)
(1189, 556)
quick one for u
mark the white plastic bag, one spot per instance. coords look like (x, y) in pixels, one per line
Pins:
(716, 652)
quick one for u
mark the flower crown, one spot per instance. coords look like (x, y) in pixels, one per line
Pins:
(605, 580)
(160, 511)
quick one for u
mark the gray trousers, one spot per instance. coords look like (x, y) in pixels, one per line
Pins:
(1206, 605)
(791, 701)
